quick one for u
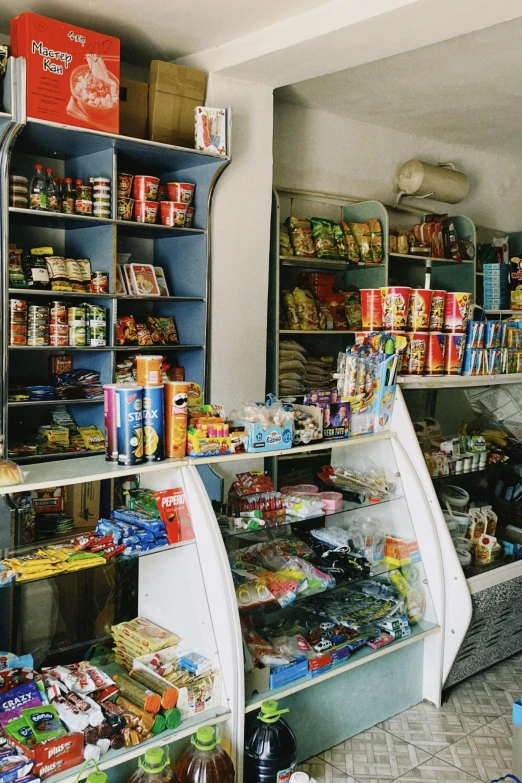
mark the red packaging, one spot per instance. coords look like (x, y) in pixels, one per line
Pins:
(415, 354)
(66, 66)
(434, 364)
(420, 309)
(456, 310)
(145, 188)
(320, 284)
(173, 213)
(371, 308)
(437, 311)
(395, 301)
(174, 512)
(55, 755)
(145, 211)
(181, 191)
(454, 353)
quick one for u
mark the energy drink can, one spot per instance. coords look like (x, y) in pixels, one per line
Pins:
(129, 423)
(153, 441)
(110, 415)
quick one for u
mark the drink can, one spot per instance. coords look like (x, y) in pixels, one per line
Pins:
(176, 405)
(77, 335)
(153, 441)
(110, 416)
(129, 423)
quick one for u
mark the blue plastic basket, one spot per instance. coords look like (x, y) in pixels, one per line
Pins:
(507, 777)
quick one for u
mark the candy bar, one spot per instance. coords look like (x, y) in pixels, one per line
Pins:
(44, 722)
(139, 519)
(13, 702)
(20, 732)
(12, 768)
(74, 718)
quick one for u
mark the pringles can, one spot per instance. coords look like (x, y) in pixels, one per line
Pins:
(153, 441)
(110, 415)
(438, 301)
(148, 369)
(434, 364)
(176, 409)
(415, 355)
(454, 353)
(129, 423)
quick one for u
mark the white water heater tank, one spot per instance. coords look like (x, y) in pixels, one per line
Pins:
(440, 183)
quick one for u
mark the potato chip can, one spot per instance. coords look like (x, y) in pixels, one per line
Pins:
(371, 308)
(176, 405)
(456, 310)
(153, 440)
(395, 303)
(434, 364)
(437, 311)
(453, 353)
(420, 309)
(415, 355)
(110, 416)
(129, 423)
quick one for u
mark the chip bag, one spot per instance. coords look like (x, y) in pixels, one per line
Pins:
(301, 236)
(322, 233)
(352, 248)
(362, 234)
(342, 250)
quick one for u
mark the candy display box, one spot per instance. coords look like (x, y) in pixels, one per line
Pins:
(54, 756)
(271, 439)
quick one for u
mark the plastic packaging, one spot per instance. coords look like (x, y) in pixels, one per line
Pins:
(205, 761)
(154, 767)
(270, 747)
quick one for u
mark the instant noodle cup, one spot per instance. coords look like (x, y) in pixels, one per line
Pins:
(145, 188)
(173, 213)
(437, 311)
(420, 309)
(145, 211)
(453, 353)
(176, 407)
(148, 369)
(434, 364)
(395, 301)
(415, 354)
(456, 309)
(125, 206)
(125, 185)
(181, 191)
(371, 308)
(189, 217)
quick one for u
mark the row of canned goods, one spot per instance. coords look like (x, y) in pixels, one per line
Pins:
(57, 324)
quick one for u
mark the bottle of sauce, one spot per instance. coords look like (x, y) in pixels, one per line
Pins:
(38, 192)
(68, 197)
(53, 196)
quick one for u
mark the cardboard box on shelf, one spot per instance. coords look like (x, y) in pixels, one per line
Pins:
(73, 74)
(174, 93)
(134, 108)
(83, 503)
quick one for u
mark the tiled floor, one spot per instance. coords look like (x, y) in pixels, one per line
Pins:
(468, 739)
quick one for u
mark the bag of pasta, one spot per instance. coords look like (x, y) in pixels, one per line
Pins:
(301, 237)
(285, 246)
(306, 309)
(290, 311)
(323, 237)
(376, 241)
(342, 252)
(352, 248)
(361, 232)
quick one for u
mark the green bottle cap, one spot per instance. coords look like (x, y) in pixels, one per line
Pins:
(154, 760)
(172, 718)
(159, 724)
(205, 738)
(270, 712)
(97, 777)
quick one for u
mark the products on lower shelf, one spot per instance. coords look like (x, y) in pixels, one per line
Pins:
(61, 435)
(57, 324)
(143, 199)
(41, 269)
(66, 384)
(463, 453)
(299, 372)
(315, 306)
(321, 238)
(55, 718)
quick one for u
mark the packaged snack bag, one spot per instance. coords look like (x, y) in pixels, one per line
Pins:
(301, 236)
(362, 234)
(342, 250)
(285, 246)
(306, 309)
(352, 248)
(322, 233)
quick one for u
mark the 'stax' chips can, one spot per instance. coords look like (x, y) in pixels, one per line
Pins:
(129, 423)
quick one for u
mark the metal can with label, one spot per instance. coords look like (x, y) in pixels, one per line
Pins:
(77, 335)
(60, 340)
(58, 313)
(97, 335)
(76, 315)
(153, 440)
(37, 339)
(110, 402)
(129, 423)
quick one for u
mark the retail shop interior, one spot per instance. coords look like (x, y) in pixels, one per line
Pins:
(196, 588)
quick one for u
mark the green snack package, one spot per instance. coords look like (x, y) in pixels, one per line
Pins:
(44, 722)
(352, 247)
(322, 234)
(20, 731)
(342, 252)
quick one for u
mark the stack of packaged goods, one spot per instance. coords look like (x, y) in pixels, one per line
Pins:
(496, 287)
(357, 243)
(292, 367)
(493, 348)
(315, 306)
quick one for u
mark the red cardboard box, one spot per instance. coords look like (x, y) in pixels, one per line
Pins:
(54, 756)
(73, 74)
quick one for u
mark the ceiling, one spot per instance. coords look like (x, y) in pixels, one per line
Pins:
(165, 29)
(466, 90)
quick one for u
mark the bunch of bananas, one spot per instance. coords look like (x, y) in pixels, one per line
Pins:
(495, 439)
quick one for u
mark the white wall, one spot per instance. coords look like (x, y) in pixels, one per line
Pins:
(318, 151)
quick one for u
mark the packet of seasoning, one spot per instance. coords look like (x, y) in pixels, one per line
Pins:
(13, 701)
(44, 722)
(20, 731)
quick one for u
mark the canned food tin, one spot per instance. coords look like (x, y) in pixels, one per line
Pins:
(17, 329)
(77, 335)
(110, 402)
(59, 339)
(99, 283)
(38, 311)
(101, 182)
(97, 315)
(153, 442)
(129, 423)
(58, 313)
(83, 206)
(76, 314)
(37, 340)
(17, 339)
(18, 305)
(18, 317)
(98, 336)
(38, 327)
(61, 329)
